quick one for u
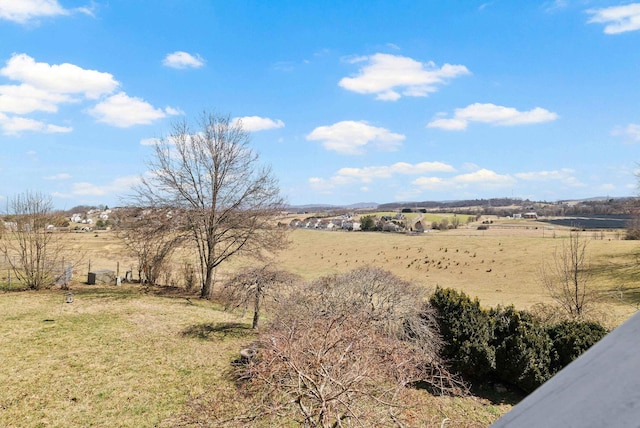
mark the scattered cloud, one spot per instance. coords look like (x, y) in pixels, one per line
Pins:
(44, 87)
(390, 77)
(325, 186)
(257, 123)
(350, 175)
(491, 114)
(630, 132)
(437, 178)
(24, 99)
(555, 5)
(149, 141)
(24, 11)
(182, 60)
(58, 78)
(123, 111)
(484, 177)
(565, 174)
(351, 137)
(61, 176)
(15, 125)
(119, 186)
(366, 174)
(617, 19)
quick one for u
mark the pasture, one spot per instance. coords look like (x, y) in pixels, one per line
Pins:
(134, 356)
(500, 266)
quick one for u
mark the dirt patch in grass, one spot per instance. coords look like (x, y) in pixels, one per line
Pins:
(218, 331)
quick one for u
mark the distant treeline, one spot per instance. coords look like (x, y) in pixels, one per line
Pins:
(509, 206)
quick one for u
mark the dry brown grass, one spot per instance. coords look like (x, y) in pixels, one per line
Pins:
(113, 357)
(127, 356)
(499, 266)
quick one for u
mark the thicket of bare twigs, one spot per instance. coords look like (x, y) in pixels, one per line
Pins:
(255, 288)
(343, 350)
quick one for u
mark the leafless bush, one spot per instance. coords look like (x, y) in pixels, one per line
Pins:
(568, 278)
(342, 352)
(36, 254)
(189, 275)
(150, 236)
(254, 287)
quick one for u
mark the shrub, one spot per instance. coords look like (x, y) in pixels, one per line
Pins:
(466, 330)
(571, 339)
(504, 343)
(523, 349)
(342, 350)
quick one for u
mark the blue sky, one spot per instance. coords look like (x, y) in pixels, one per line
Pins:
(348, 101)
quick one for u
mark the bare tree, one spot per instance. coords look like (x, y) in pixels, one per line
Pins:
(343, 350)
(220, 195)
(567, 278)
(151, 237)
(35, 253)
(254, 287)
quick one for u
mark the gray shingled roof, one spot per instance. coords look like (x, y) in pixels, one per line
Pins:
(599, 389)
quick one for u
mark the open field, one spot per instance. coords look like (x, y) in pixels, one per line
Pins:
(500, 265)
(135, 356)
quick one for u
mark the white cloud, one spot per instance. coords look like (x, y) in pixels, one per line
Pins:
(22, 11)
(448, 124)
(17, 125)
(350, 137)
(390, 77)
(118, 186)
(429, 183)
(325, 186)
(482, 178)
(631, 132)
(492, 114)
(366, 174)
(59, 78)
(22, 99)
(123, 111)
(617, 19)
(349, 175)
(61, 176)
(43, 87)
(149, 141)
(565, 174)
(257, 123)
(182, 60)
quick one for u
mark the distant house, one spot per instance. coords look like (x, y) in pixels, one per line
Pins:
(351, 225)
(391, 227)
(530, 215)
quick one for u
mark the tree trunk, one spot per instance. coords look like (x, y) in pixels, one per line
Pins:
(207, 286)
(256, 310)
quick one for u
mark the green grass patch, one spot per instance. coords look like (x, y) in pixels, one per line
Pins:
(113, 357)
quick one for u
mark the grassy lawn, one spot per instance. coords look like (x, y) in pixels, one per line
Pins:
(129, 357)
(113, 357)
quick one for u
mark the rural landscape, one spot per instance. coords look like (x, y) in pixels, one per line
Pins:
(127, 339)
(388, 214)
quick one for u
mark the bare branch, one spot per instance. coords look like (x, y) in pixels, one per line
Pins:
(212, 179)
